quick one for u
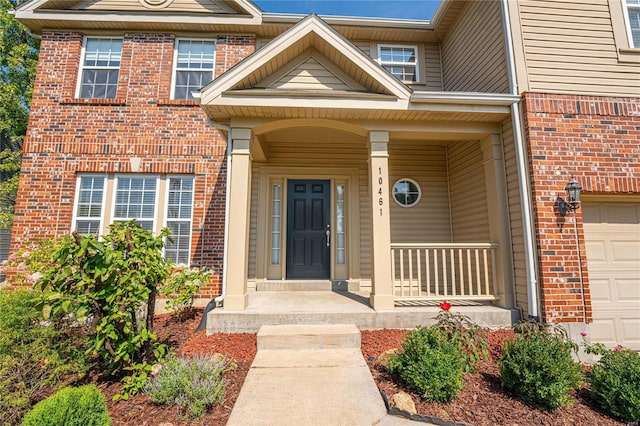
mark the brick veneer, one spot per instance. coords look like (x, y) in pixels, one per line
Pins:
(67, 136)
(596, 140)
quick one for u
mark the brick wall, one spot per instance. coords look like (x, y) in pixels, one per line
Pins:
(597, 141)
(67, 136)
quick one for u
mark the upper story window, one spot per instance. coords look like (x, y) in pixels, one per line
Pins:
(194, 64)
(100, 68)
(401, 61)
(633, 20)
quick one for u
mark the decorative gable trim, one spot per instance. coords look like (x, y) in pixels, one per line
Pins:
(311, 32)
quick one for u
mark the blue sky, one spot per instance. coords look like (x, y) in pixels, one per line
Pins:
(406, 9)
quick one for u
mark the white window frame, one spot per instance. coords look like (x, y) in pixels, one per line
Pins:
(175, 69)
(166, 209)
(627, 21)
(82, 67)
(417, 185)
(402, 46)
(116, 178)
(105, 181)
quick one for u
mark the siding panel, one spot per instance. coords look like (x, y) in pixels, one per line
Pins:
(473, 53)
(469, 214)
(569, 46)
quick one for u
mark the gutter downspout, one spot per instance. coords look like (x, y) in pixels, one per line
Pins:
(525, 199)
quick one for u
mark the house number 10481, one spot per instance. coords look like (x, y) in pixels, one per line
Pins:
(380, 182)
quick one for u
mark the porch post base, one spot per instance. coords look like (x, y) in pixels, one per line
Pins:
(236, 302)
(381, 302)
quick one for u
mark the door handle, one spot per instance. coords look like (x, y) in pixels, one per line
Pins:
(328, 233)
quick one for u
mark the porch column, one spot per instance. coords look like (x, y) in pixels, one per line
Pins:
(499, 227)
(382, 283)
(237, 296)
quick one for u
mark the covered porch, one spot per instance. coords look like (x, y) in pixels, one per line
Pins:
(344, 174)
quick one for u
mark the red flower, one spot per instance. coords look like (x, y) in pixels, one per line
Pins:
(445, 306)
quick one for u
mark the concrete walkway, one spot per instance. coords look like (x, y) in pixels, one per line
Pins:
(310, 375)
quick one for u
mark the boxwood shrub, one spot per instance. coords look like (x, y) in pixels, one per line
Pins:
(430, 365)
(538, 369)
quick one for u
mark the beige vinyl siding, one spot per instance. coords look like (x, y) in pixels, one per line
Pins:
(202, 6)
(515, 218)
(473, 52)
(301, 148)
(433, 67)
(469, 214)
(364, 45)
(569, 47)
(313, 75)
(428, 221)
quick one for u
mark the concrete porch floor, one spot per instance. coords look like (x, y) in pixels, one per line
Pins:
(328, 307)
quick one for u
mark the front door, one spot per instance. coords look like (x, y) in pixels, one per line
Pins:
(308, 237)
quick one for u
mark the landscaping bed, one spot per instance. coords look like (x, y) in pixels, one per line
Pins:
(483, 401)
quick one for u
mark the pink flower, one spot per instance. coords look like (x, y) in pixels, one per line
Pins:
(618, 348)
(583, 333)
(445, 306)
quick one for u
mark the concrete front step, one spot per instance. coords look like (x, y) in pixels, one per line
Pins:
(308, 337)
(290, 285)
(313, 308)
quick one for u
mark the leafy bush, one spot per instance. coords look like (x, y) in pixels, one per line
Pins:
(464, 334)
(430, 365)
(33, 355)
(83, 406)
(539, 369)
(193, 384)
(182, 286)
(615, 384)
(113, 281)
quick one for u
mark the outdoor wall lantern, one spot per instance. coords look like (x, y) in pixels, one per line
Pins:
(572, 202)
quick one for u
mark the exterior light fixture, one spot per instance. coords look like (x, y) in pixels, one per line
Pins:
(572, 202)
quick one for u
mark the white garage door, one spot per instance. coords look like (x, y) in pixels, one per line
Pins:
(612, 237)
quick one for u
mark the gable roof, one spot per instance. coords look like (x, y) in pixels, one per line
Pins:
(179, 15)
(310, 60)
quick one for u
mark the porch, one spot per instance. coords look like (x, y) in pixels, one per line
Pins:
(343, 307)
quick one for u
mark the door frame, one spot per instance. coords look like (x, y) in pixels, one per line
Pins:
(266, 178)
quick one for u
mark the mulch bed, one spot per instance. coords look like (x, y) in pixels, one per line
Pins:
(179, 333)
(482, 401)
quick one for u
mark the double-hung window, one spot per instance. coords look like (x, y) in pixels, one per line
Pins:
(194, 64)
(100, 68)
(153, 201)
(401, 61)
(633, 20)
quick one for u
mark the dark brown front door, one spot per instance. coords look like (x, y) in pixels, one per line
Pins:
(308, 212)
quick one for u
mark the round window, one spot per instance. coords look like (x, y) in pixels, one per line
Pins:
(406, 192)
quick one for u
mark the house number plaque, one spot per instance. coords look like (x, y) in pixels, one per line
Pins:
(380, 182)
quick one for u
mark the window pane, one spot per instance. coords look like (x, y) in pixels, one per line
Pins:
(89, 204)
(103, 57)
(135, 199)
(194, 66)
(179, 215)
(634, 21)
(275, 224)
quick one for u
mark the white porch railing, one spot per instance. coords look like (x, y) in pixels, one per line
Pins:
(454, 271)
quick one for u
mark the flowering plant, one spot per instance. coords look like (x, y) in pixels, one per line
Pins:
(463, 333)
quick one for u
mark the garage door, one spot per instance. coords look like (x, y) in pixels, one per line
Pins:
(612, 237)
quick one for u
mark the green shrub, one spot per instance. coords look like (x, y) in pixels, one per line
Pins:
(430, 365)
(83, 406)
(33, 355)
(192, 384)
(615, 384)
(114, 281)
(539, 369)
(182, 286)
